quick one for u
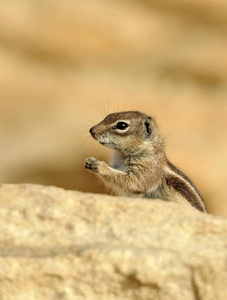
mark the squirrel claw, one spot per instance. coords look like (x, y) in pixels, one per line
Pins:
(92, 164)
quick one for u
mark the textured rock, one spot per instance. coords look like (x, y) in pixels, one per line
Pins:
(58, 244)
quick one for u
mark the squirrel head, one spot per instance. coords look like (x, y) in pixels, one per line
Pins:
(127, 132)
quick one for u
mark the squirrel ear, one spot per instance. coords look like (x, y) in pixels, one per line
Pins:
(148, 124)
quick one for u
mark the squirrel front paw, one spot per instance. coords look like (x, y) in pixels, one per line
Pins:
(93, 164)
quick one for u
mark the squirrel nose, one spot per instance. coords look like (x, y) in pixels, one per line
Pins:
(92, 132)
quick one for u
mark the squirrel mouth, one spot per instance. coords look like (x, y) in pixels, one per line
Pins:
(105, 143)
(103, 140)
(109, 145)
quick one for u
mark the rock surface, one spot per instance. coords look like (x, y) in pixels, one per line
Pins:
(58, 244)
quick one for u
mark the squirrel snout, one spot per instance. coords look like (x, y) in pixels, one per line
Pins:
(92, 131)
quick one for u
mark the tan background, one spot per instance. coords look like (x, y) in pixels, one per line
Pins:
(66, 64)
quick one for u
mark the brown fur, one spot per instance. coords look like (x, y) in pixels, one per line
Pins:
(140, 167)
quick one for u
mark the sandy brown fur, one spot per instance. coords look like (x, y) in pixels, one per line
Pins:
(140, 167)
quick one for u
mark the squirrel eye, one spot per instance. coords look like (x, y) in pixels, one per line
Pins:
(121, 125)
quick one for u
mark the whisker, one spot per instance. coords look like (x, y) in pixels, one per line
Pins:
(86, 140)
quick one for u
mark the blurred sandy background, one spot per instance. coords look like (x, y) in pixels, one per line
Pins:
(66, 64)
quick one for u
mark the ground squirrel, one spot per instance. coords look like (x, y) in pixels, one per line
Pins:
(140, 167)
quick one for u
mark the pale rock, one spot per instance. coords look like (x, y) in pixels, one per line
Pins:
(58, 244)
